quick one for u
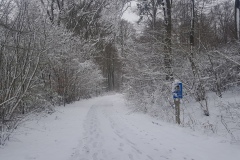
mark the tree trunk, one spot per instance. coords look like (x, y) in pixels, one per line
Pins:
(168, 40)
(199, 89)
(237, 18)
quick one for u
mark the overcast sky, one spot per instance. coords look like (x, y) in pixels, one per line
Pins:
(129, 15)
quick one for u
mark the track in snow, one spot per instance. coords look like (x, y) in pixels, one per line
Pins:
(110, 133)
(109, 136)
(102, 129)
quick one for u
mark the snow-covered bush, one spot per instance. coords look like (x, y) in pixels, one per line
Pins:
(41, 63)
(210, 64)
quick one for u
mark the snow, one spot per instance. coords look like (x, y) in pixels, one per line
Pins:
(174, 84)
(104, 128)
(221, 109)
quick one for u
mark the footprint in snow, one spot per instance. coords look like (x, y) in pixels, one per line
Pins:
(130, 156)
(97, 135)
(95, 156)
(149, 157)
(138, 151)
(104, 153)
(94, 145)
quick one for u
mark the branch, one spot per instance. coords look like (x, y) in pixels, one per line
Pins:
(237, 63)
(7, 101)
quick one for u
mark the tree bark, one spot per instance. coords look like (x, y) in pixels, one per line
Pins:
(168, 39)
(237, 18)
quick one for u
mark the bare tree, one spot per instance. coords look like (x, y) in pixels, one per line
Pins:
(237, 18)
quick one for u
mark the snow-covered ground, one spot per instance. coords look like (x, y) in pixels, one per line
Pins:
(224, 119)
(104, 129)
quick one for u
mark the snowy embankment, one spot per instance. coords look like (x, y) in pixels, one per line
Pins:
(104, 129)
(224, 119)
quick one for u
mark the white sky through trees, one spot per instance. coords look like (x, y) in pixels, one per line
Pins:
(129, 14)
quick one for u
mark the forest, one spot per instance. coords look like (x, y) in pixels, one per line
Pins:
(56, 52)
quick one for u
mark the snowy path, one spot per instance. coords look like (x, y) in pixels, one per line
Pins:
(102, 129)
